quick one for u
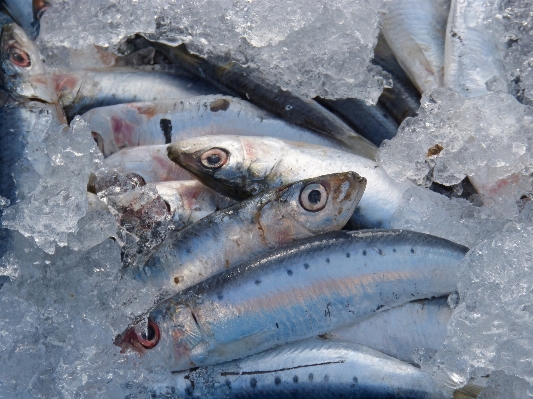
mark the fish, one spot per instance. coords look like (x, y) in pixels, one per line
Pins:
(473, 54)
(27, 13)
(236, 80)
(165, 122)
(256, 164)
(149, 162)
(252, 228)
(305, 289)
(80, 91)
(415, 31)
(404, 331)
(311, 369)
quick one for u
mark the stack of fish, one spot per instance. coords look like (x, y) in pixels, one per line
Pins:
(230, 196)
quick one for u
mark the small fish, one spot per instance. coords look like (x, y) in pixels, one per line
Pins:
(415, 32)
(311, 369)
(401, 332)
(305, 289)
(236, 80)
(165, 122)
(150, 162)
(27, 13)
(251, 228)
(252, 165)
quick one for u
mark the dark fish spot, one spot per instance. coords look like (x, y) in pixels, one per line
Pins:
(355, 380)
(277, 325)
(394, 250)
(166, 128)
(326, 378)
(380, 252)
(295, 379)
(306, 266)
(364, 253)
(257, 282)
(311, 376)
(220, 296)
(253, 382)
(347, 254)
(379, 307)
(228, 384)
(412, 250)
(327, 260)
(289, 272)
(220, 104)
(277, 380)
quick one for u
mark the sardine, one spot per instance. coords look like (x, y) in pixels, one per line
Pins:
(257, 164)
(234, 79)
(306, 289)
(150, 162)
(80, 91)
(402, 332)
(252, 228)
(165, 122)
(472, 55)
(415, 32)
(311, 369)
(26, 13)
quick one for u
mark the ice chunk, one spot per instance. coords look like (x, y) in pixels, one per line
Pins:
(501, 385)
(311, 47)
(487, 138)
(491, 329)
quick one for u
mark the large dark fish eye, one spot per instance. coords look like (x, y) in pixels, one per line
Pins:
(313, 197)
(149, 338)
(19, 57)
(214, 158)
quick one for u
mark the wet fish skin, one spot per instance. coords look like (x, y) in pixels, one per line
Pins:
(236, 80)
(26, 13)
(311, 369)
(257, 164)
(164, 122)
(306, 289)
(251, 228)
(401, 331)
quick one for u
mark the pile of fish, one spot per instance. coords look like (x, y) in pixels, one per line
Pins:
(259, 224)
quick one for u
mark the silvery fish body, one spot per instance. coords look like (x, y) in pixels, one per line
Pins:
(415, 32)
(252, 228)
(164, 122)
(311, 369)
(150, 162)
(83, 90)
(415, 329)
(26, 14)
(472, 54)
(256, 164)
(306, 289)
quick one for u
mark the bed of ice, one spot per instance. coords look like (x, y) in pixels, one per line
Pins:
(63, 299)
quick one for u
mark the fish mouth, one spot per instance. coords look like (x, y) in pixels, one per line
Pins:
(139, 341)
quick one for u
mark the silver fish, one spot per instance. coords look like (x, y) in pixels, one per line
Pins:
(255, 164)
(404, 331)
(26, 13)
(164, 122)
(311, 369)
(252, 228)
(306, 289)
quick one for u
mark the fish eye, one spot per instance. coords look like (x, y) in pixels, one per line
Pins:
(98, 140)
(314, 197)
(149, 338)
(19, 57)
(39, 8)
(214, 158)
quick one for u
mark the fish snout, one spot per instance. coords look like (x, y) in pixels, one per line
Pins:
(139, 339)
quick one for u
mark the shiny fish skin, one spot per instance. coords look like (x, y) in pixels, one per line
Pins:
(400, 331)
(235, 79)
(164, 122)
(306, 289)
(415, 32)
(248, 229)
(472, 56)
(149, 162)
(311, 369)
(22, 12)
(257, 164)
(83, 90)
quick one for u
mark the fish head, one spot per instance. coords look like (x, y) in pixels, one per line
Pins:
(101, 130)
(170, 334)
(312, 206)
(22, 69)
(236, 166)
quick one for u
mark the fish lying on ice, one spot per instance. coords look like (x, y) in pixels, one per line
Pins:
(252, 228)
(254, 164)
(311, 369)
(163, 122)
(26, 13)
(305, 289)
